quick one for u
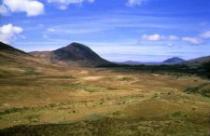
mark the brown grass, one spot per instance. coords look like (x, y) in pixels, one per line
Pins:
(51, 94)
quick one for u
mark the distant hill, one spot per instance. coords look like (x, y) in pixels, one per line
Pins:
(130, 62)
(202, 64)
(174, 60)
(170, 61)
(74, 54)
(198, 61)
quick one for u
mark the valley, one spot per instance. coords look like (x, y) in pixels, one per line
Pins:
(38, 97)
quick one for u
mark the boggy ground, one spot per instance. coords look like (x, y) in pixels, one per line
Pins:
(102, 102)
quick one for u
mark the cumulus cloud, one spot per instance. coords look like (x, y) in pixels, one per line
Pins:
(8, 32)
(158, 37)
(30, 7)
(135, 2)
(63, 4)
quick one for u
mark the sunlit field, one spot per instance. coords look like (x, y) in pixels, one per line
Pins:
(58, 101)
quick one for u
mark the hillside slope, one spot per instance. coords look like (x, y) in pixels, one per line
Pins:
(8, 53)
(199, 61)
(15, 62)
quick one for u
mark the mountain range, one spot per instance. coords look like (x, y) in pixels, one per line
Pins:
(169, 61)
(76, 54)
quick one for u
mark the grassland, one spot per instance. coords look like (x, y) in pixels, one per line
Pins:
(57, 101)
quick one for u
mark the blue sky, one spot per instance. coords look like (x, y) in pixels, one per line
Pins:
(119, 30)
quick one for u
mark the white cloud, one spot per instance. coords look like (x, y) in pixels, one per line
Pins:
(31, 7)
(135, 2)
(153, 37)
(158, 37)
(197, 40)
(63, 4)
(8, 32)
(192, 40)
(206, 35)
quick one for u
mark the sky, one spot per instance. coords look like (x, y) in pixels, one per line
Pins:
(118, 30)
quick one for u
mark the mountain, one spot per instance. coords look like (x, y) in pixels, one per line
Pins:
(73, 54)
(174, 60)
